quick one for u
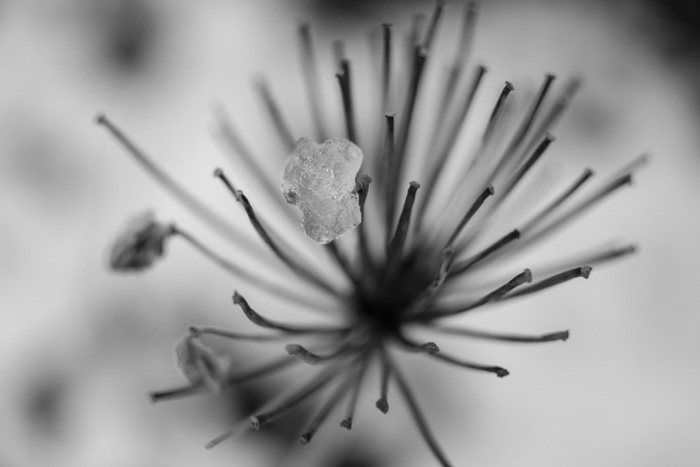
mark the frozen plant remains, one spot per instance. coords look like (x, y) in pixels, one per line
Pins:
(395, 262)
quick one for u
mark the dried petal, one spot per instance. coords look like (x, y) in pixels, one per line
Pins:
(200, 363)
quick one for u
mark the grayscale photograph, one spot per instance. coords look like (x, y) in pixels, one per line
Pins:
(349, 233)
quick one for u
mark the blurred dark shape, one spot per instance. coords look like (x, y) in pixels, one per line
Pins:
(44, 405)
(127, 30)
(355, 458)
(349, 10)
(674, 28)
(245, 399)
(284, 433)
(682, 18)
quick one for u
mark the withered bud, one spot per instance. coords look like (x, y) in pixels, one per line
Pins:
(200, 363)
(140, 244)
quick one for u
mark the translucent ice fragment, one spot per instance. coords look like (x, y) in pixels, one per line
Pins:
(319, 179)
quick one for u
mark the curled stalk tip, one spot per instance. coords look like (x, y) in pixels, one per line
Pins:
(383, 405)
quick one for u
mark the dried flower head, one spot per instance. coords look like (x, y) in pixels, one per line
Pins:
(416, 261)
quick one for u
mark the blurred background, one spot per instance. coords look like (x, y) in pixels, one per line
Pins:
(81, 346)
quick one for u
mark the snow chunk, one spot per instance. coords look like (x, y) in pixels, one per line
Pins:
(319, 179)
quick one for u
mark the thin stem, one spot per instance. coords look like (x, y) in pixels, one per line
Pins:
(321, 380)
(404, 133)
(233, 144)
(386, 368)
(262, 232)
(583, 271)
(419, 418)
(398, 242)
(631, 167)
(497, 111)
(238, 196)
(193, 204)
(494, 296)
(525, 168)
(281, 126)
(386, 66)
(413, 39)
(239, 428)
(550, 118)
(262, 282)
(310, 70)
(332, 402)
(532, 113)
(556, 202)
(346, 94)
(511, 152)
(253, 373)
(435, 165)
(338, 48)
(462, 266)
(584, 205)
(464, 47)
(342, 261)
(499, 371)
(259, 320)
(215, 331)
(470, 213)
(466, 39)
(354, 395)
(413, 346)
(365, 255)
(388, 174)
(429, 294)
(311, 358)
(433, 25)
(597, 257)
(550, 337)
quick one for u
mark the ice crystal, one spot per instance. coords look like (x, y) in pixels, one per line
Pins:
(319, 179)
